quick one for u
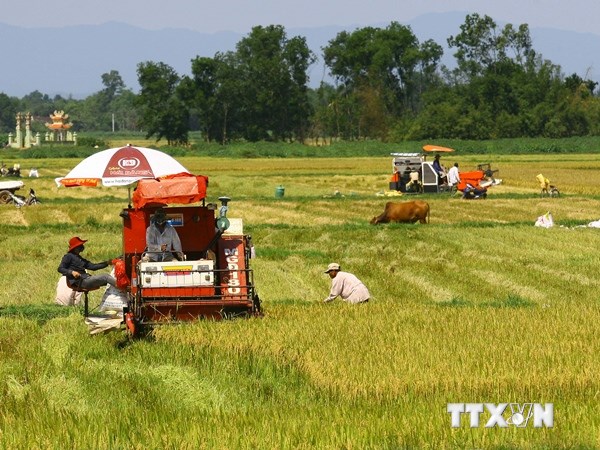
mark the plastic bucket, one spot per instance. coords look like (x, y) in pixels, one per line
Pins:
(279, 191)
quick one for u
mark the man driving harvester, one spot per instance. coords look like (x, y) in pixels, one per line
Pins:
(162, 240)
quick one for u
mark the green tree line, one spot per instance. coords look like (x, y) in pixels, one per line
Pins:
(386, 86)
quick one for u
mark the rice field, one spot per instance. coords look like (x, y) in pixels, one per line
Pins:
(479, 306)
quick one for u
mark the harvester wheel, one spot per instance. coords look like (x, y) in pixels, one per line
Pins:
(5, 197)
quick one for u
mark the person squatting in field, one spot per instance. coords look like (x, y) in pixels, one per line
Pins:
(73, 266)
(346, 285)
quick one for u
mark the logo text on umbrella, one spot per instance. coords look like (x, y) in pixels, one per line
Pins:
(130, 162)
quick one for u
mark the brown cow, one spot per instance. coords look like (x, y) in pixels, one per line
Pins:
(408, 212)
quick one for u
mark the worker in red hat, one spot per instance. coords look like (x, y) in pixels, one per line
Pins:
(74, 266)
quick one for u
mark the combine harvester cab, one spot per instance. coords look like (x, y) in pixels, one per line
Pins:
(213, 279)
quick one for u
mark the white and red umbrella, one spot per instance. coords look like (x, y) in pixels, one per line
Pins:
(121, 167)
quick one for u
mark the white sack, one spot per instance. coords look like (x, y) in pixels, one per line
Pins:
(113, 300)
(66, 296)
(545, 221)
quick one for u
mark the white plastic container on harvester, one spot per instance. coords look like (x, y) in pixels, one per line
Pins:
(176, 273)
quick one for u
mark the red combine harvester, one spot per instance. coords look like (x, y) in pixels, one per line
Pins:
(213, 280)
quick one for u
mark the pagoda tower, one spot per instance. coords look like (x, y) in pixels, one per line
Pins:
(59, 128)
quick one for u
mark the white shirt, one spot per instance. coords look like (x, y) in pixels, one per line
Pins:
(350, 288)
(453, 176)
(154, 239)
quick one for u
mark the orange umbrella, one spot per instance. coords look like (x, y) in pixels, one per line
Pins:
(437, 148)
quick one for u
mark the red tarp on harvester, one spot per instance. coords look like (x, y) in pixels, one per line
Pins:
(181, 189)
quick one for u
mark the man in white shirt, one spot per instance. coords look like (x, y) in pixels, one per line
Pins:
(346, 285)
(453, 175)
(162, 240)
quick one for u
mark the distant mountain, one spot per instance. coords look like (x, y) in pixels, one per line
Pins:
(71, 60)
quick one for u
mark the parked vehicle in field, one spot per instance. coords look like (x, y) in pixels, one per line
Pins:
(9, 196)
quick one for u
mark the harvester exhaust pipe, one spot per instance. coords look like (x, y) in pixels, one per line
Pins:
(222, 223)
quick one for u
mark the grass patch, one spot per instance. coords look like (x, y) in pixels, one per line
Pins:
(489, 224)
(38, 313)
(455, 302)
(511, 301)
(279, 254)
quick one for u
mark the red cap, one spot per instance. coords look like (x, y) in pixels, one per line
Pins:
(75, 242)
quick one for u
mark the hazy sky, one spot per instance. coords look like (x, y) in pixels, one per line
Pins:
(242, 15)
